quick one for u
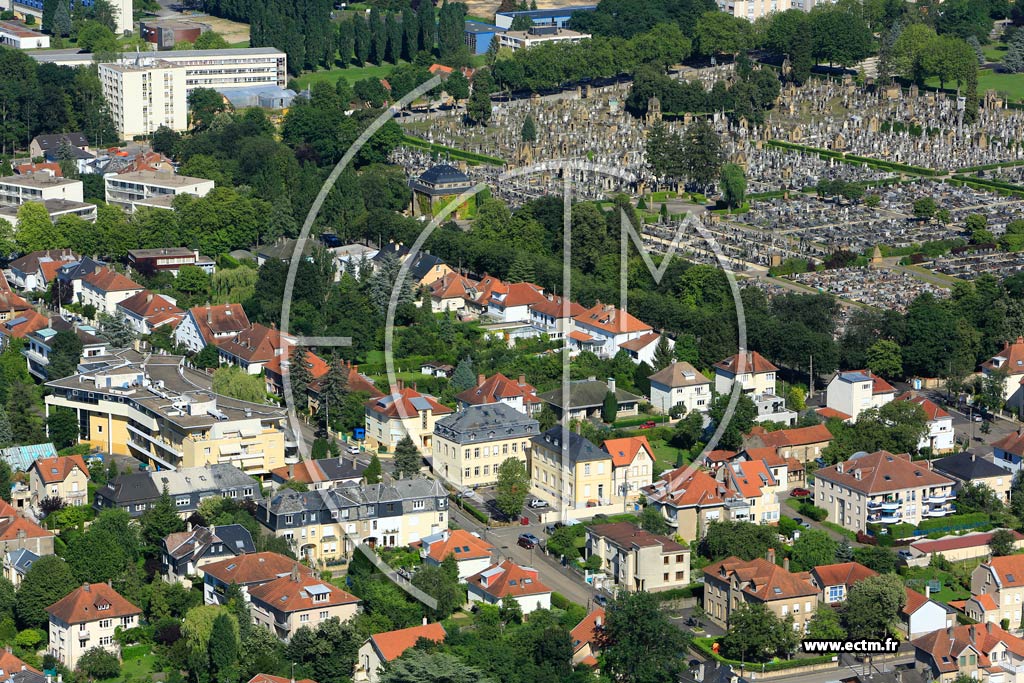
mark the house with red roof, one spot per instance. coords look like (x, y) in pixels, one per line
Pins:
(381, 648)
(731, 582)
(11, 668)
(606, 329)
(35, 270)
(962, 547)
(270, 678)
(632, 466)
(758, 486)
(983, 652)
(804, 444)
(297, 600)
(555, 315)
(981, 608)
(508, 579)
(65, 477)
(498, 388)
(88, 617)
(513, 304)
(586, 637)
(637, 560)
(211, 324)
(247, 571)
(472, 554)
(1002, 578)
(402, 412)
(752, 370)
(854, 391)
(1008, 364)
(253, 348)
(451, 292)
(273, 372)
(105, 289)
(940, 424)
(20, 534)
(689, 501)
(146, 311)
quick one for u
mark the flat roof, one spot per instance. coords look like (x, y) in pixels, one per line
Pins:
(481, 27)
(38, 180)
(161, 178)
(52, 206)
(87, 57)
(549, 13)
(560, 33)
(162, 251)
(19, 30)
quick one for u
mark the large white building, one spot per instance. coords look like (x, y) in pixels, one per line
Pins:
(151, 188)
(38, 187)
(122, 11)
(515, 40)
(21, 37)
(754, 9)
(145, 91)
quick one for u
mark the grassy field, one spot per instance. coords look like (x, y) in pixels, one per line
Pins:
(995, 52)
(1009, 85)
(351, 74)
(135, 669)
(665, 455)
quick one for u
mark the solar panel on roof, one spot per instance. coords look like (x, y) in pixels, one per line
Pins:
(420, 403)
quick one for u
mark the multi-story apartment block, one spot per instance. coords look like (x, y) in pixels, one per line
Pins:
(680, 384)
(470, 445)
(731, 582)
(572, 473)
(1002, 579)
(38, 187)
(637, 560)
(155, 189)
(753, 9)
(690, 501)
(66, 478)
(327, 525)
(88, 617)
(752, 370)
(164, 413)
(882, 488)
(144, 94)
(121, 9)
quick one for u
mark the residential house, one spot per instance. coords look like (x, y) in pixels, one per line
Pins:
(570, 472)
(325, 473)
(13, 670)
(70, 278)
(451, 292)
(64, 477)
(205, 325)
(508, 579)
(246, 571)
(976, 651)
(283, 250)
(17, 563)
(50, 145)
(586, 638)
(555, 316)
(1008, 452)
(425, 269)
(357, 382)
(20, 533)
(756, 484)
(771, 407)
(88, 617)
(470, 445)
(643, 348)
(104, 289)
(500, 389)
(383, 648)
(882, 488)
(167, 260)
(165, 413)
(982, 609)
(513, 304)
(853, 391)
(690, 500)
(680, 384)
(435, 369)
(298, 600)
(632, 467)
(1008, 365)
(962, 547)
(472, 554)
(34, 271)
(403, 412)
(731, 582)
(803, 444)
(968, 467)
(41, 341)
(253, 348)
(21, 326)
(273, 372)
(1001, 578)
(920, 614)
(789, 470)
(146, 311)
(939, 438)
(637, 560)
(186, 552)
(325, 526)
(834, 580)
(754, 373)
(604, 329)
(586, 400)
(188, 487)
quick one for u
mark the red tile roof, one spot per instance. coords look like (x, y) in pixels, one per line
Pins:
(641, 342)
(609, 319)
(400, 404)
(800, 436)
(1009, 570)
(497, 387)
(392, 644)
(762, 578)
(258, 344)
(57, 469)
(931, 409)
(508, 578)
(462, 545)
(986, 602)
(317, 365)
(975, 540)
(91, 602)
(1013, 355)
(107, 280)
(292, 593)
(945, 645)
(147, 304)
(216, 322)
(841, 574)
(9, 664)
(270, 678)
(587, 631)
(627, 536)
(13, 527)
(519, 294)
(881, 472)
(33, 322)
(749, 477)
(252, 568)
(754, 363)
(832, 414)
(555, 308)
(915, 601)
(451, 286)
(623, 451)
(697, 489)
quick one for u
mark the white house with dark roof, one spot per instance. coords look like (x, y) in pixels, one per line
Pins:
(854, 391)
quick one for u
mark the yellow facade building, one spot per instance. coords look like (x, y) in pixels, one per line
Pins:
(470, 445)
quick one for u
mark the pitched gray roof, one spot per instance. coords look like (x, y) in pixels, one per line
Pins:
(966, 466)
(482, 423)
(580, 449)
(587, 393)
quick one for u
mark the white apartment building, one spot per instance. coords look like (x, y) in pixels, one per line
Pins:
(122, 12)
(515, 40)
(151, 188)
(38, 187)
(88, 617)
(144, 95)
(754, 9)
(20, 37)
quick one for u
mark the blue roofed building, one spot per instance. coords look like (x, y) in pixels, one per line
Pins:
(542, 17)
(19, 458)
(17, 563)
(479, 36)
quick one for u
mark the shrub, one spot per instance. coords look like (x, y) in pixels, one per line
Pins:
(813, 511)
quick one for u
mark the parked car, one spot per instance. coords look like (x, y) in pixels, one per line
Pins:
(528, 541)
(904, 554)
(648, 425)
(800, 521)
(601, 599)
(552, 528)
(538, 503)
(800, 493)
(977, 417)
(352, 450)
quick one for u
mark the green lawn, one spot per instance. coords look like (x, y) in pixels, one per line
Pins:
(995, 51)
(665, 455)
(351, 74)
(1009, 85)
(135, 669)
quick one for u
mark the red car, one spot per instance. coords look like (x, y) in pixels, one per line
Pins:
(800, 493)
(649, 424)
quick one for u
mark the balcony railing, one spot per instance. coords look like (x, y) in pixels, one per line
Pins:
(939, 511)
(938, 498)
(886, 518)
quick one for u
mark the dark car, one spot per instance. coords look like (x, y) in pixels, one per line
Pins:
(528, 541)
(552, 528)
(601, 599)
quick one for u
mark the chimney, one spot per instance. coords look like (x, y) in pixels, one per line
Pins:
(927, 591)
(85, 586)
(480, 379)
(785, 563)
(149, 298)
(295, 573)
(424, 621)
(973, 457)
(771, 555)
(598, 621)
(611, 384)
(291, 471)
(401, 384)
(209, 315)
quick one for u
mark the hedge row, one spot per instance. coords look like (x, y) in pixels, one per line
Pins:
(703, 645)
(989, 167)
(469, 157)
(473, 511)
(693, 590)
(853, 158)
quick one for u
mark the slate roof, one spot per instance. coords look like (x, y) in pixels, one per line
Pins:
(580, 449)
(131, 488)
(482, 423)
(22, 560)
(627, 535)
(52, 141)
(195, 543)
(443, 173)
(968, 466)
(588, 393)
